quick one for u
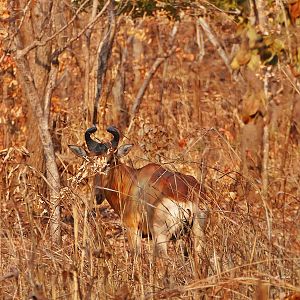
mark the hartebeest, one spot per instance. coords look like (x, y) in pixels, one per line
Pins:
(150, 200)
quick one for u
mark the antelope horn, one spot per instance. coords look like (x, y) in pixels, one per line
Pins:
(116, 134)
(93, 146)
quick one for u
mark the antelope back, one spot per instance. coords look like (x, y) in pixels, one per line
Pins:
(150, 199)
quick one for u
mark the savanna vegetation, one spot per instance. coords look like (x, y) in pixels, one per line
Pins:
(206, 88)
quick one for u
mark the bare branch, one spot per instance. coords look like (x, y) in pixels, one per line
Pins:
(25, 10)
(104, 51)
(200, 42)
(142, 90)
(255, 12)
(86, 51)
(49, 88)
(265, 160)
(215, 42)
(165, 66)
(261, 14)
(37, 43)
(27, 84)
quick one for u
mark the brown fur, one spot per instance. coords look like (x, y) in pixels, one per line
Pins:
(150, 200)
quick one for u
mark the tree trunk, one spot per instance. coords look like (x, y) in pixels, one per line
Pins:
(37, 78)
(36, 26)
(41, 123)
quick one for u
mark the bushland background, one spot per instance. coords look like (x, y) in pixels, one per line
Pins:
(208, 88)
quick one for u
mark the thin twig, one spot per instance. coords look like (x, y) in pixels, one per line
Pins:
(49, 89)
(36, 43)
(165, 67)
(104, 52)
(142, 90)
(86, 51)
(261, 10)
(215, 42)
(200, 42)
(25, 10)
(265, 160)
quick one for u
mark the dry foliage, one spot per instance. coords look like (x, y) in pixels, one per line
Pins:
(192, 119)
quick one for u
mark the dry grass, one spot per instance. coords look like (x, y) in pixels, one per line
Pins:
(241, 260)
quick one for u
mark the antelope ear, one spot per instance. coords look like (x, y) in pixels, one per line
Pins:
(124, 150)
(79, 151)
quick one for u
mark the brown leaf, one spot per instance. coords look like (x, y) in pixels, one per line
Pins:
(294, 10)
(295, 296)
